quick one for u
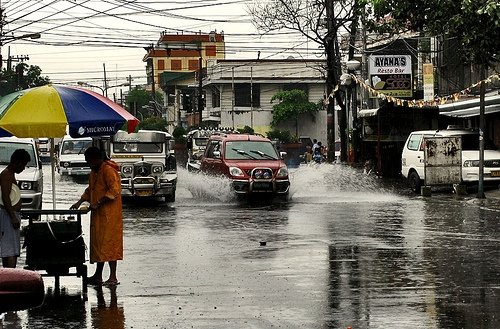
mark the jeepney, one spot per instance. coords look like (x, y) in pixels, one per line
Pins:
(196, 143)
(147, 164)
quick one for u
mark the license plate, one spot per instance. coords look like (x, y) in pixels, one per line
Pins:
(262, 186)
(495, 173)
(144, 193)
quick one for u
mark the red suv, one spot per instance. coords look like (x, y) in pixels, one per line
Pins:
(250, 161)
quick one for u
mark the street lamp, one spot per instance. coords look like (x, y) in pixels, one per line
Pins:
(10, 38)
(84, 84)
(350, 82)
(4, 39)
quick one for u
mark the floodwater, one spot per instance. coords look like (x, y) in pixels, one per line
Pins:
(347, 250)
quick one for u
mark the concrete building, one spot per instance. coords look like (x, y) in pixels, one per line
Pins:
(174, 64)
(239, 92)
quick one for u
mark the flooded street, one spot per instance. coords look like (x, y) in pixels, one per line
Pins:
(347, 250)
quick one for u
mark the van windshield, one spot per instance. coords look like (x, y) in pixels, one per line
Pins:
(470, 142)
(7, 148)
(75, 146)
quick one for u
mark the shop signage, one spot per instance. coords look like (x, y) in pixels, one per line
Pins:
(391, 74)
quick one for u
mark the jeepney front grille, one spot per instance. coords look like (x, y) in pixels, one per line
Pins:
(142, 169)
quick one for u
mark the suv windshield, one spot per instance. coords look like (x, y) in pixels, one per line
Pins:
(255, 150)
(7, 148)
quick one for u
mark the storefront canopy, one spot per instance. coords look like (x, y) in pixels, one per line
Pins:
(470, 108)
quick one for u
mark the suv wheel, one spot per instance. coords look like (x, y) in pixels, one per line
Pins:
(415, 182)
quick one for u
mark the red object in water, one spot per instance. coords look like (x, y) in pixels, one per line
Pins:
(20, 289)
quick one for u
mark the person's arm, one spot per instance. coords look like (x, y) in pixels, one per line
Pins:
(85, 197)
(6, 186)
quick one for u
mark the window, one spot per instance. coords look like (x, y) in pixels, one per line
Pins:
(193, 64)
(161, 64)
(215, 98)
(214, 146)
(414, 142)
(7, 148)
(250, 150)
(242, 94)
(210, 50)
(176, 64)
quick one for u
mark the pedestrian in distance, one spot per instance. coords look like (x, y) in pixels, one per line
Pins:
(106, 219)
(314, 146)
(318, 153)
(10, 205)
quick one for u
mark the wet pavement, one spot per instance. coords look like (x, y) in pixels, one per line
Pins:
(347, 250)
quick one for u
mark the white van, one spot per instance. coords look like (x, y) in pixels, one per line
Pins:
(71, 156)
(30, 181)
(412, 158)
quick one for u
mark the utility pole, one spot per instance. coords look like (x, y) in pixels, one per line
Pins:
(330, 82)
(200, 89)
(105, 93)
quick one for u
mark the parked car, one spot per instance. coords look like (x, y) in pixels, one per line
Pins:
(250, 161)
(412, 158)
(71, 157)
(43, 147)
(30, 181)
(147, 164)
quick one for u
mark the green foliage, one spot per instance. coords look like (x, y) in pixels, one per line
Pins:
(246, 130)
(153, 123)
(284, 136)
(474, 24)
(139, 99)
(179, 134)
(291, 104)
(32, 77)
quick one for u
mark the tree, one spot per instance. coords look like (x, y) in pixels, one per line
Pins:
(140, 102)
(319, 21)
(474, 24)
(291, 104)
(153, 123)
(22, 77)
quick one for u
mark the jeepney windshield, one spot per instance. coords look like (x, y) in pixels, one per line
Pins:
(201, 141)
(137, 147)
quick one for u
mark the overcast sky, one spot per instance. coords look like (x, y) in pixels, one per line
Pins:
(78, 36)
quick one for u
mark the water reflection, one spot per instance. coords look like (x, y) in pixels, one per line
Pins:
(463, 256)
(107, 313)
(59, 311)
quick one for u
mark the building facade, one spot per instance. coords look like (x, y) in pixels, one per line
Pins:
(239, 92)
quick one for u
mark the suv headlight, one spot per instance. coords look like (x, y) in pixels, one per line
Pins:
(282, 172)
(65, 164)
(26, 185)
(236, 172)
(471, 163)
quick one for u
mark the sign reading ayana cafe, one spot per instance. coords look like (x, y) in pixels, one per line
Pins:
(391, 74)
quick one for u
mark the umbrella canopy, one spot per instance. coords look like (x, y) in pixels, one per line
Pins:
(46, 111)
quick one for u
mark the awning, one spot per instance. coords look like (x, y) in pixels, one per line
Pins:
(470, 108)
(367, 113)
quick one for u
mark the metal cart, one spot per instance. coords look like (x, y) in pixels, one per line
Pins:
(55, 246)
